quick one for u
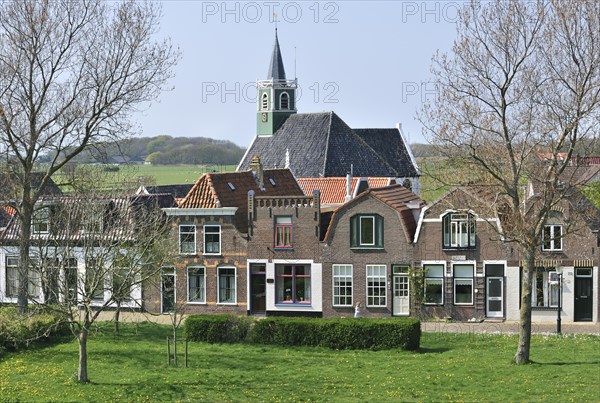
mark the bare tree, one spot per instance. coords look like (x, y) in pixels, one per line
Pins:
(518, 92)
(71, 73)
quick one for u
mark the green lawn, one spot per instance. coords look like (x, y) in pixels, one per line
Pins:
(449, 367)
(174, 174)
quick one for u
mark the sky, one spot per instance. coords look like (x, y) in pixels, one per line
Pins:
(368, 61)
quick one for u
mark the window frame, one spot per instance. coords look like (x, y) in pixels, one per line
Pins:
(356, 231)
(294, 276)
(91, 265)
(287, 96)
(372, 276)
(201, 285)
(548, 291)
(41, 217)
(453, 227)
(264, 102)
(182, 233)
(553, 238)
(284, 226)
(464, 279)
(433, 280)
(336, 288)
(204, 243)
(234, 288)
(14, 282)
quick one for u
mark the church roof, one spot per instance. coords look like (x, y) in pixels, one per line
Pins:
(323, 145)
(276, 70)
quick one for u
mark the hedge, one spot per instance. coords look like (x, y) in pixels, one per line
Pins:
(17, 332)
(216, 328)
(362, 334)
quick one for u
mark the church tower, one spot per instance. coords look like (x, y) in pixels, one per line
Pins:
(276, 96)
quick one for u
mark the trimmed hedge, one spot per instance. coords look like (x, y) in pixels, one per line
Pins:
(17, 332)
(216, 328)
(358, 334)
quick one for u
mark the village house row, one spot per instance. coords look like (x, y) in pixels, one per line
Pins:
(261, 242)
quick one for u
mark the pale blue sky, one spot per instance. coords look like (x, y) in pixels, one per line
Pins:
(366, 60)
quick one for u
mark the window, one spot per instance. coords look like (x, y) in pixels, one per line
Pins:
(342, 284)
(212, 239)
(284, 101)
(283, 232)
(40, 222)
(459, 230)
(463, 284)
(552, 238)
(366, 231)
(226, 286)
(34, 287)
(121, 284)
(434, 283)
(94, 279)
(293, 284)
(12, 276)
(544, 290)
(187, 239)
(265, 102)
(376, 285)
(196, 284)
(70, 273)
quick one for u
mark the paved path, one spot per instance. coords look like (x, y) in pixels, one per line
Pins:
(509, 327)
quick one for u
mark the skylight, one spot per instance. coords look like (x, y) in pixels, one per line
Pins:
(230, 185)
(272, 181)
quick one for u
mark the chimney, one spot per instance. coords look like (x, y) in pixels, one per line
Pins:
(257, 169)
(348, 188)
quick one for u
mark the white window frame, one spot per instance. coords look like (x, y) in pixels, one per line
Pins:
(374, 277)
(187, 233)
(437, 279)
(202, 284)
(464, 279)
(345, 277)
(204, 239)
(264, 101)
(547, 288)
(14, 267)
(360, 232)
(288, 101)
(41, 217)
(553, 238)
(219, 285)
(168, 270)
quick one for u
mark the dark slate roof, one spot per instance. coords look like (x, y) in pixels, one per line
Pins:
(276, 70)
(389, 144)
(322, 145)
(9, 186)
(177, 191)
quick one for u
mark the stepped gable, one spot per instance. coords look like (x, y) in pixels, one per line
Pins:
(319, 144)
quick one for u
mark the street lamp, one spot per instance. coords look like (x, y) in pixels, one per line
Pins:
(558, 280)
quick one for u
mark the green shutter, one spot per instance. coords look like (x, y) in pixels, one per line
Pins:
(446, 230)
(379, 231)
(354, 231)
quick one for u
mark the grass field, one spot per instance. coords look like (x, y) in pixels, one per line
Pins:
(174, 174)
(449, 367)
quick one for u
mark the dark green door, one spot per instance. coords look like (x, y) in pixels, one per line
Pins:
(583, 296)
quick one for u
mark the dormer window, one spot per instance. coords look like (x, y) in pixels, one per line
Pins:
(284, 101)
(552, 238)
(366, 231)
(265, 102)
(459, 230)
(40, 223)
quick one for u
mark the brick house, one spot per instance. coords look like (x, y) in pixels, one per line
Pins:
(210, 273)
(367, 253)
(463, 260)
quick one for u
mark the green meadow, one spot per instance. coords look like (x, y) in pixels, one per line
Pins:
(449, 367)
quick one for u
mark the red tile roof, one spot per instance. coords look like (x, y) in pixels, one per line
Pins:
(230, 189)
(333, 190)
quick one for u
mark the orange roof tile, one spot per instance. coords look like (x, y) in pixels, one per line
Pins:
(333, 190)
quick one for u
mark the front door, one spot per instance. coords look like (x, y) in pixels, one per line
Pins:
(494, 297)
(583, 294)
(167, 288)
(401, 300)
(258, 297)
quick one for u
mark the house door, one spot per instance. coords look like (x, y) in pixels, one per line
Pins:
(583, 294)
(258, 296)
(167, 290)
(401, 284)
(494, 297)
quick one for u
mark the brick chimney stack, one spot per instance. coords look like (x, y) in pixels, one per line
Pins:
(257, 169)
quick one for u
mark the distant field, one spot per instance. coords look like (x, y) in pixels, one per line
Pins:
(173, 174)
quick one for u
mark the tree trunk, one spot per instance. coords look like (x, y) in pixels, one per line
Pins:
(116, 318)
(24, 246)
(82, 372)
(522, 355)
(175, 344)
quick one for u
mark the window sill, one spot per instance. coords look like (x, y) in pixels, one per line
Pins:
(227, 303)
(458, 248)
(212, 254)
(544, 308)
(187, 254)
(342, 306)
(280, 304)
(196, 303)
(359, 248)
(283, 248)
(463, 304)
(433, 303)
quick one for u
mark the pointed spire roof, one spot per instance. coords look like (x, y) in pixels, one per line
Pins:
(276, 70)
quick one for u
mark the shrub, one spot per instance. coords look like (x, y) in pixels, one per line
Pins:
(17, 331)
(216, 328)
(374, 334)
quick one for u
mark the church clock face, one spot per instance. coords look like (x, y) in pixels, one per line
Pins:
(264, 117)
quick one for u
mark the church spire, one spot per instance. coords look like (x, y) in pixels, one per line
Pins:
(276, 69)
